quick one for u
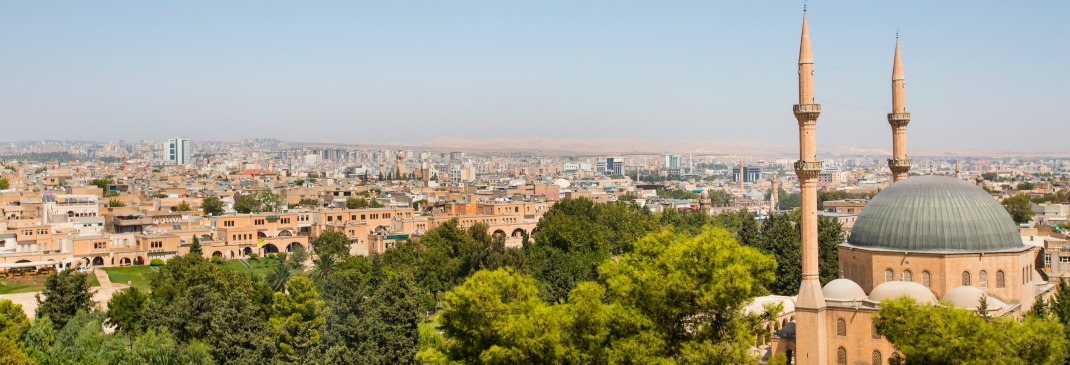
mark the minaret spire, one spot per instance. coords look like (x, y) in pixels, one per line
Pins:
(810, 306)
(898, 119)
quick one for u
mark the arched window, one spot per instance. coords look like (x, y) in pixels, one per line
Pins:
(841, 327)
(877, 357)
(841, 356)
(1001, 279)
(982, 279)
(965, 278)
(889, 275)
(926, 278)
(907, 275)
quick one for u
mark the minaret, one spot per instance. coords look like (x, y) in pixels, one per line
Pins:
(956, 169)
(742, 176)
(811, 344)
(774, 194)
(400, 161)
(899, 118)
(704, 202)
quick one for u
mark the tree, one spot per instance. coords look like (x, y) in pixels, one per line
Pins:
(938, 334)
(311, 202)
(278, 276)
(13, 321)
(298, 257)
(115, 203)
(103, 182)
(781, 238)
(183, 207)
(39, 339)
(65, 294)
(212, 206)
(269, 201)
(1025, 185)
(356, 203)
(297, 319)
(1020, 208)
(1060, 305)
(331, 243)
(195, 247)
(4, 184)
(247, 203)
(10, 354)
(829, 237)
(126, 310)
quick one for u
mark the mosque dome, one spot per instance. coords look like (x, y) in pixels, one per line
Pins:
(935, 213)
(896, 289)
(969, 298)
(843, 289)
(562, 183)
(517, 182)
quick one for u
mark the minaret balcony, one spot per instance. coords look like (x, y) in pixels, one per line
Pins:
(807, 169)
(900, 163)
(899, 118)
(806, 108)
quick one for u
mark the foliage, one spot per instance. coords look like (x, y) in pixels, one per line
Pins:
(829, 236)
(677, 297)
(677, 194)
(247, 203)
(938, 334)
(102, 183)
(126, 310)
(65, 294)
(297, 319)
(156, 262)
(4, 184)
(361, 203)
(217, 260)
(115, 203)
(1020, 208)
(195, 247)
(1025, 185)
(13, 322)
(268, 200)
(183, 207)
(279, 276)
(311, 202)
(331, 243)
(212, 206)
(781, 238)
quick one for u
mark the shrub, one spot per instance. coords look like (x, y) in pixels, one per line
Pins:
(271, 256)
(217, 260)
(281, 256)
(254, 256)
(156, 262)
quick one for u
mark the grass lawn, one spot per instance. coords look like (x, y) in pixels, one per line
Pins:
(259, 267)
(137, 276)
(32, 284)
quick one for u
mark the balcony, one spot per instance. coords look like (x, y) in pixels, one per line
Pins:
(806, 108)
(808, 165)
(900, 163)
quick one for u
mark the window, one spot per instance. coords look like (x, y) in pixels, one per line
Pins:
(1064, 259)
(228, 223)
(841, 356)
(1047, 258)
(1001, 279)
(926, 278)
(907, 275)
(889, 275)
(876, 357)
(100, 245)
(330, 218)
(841, 327)
(965, 278)
(285, 220)
(982, 279)
(258, 222)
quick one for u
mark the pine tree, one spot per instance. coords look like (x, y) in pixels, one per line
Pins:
(195, 247)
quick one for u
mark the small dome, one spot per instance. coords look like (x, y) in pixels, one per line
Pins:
(896, 289)
(788, 331)
(969, 298)
(517, 182)
(935, 213)
(562, 183)
(843, 289)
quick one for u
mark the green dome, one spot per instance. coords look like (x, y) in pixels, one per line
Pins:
(935, 213)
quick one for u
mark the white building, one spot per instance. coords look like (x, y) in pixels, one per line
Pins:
(178, 150)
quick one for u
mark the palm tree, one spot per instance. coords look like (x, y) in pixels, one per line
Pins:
(277, 278)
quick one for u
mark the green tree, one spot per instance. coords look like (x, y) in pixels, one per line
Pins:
(1020, 208)
(183, 207)
(115, 203)
(4, 184)
(195, 247)
(65, 294)
(269, 200)
(749, 232)
(102, 183)
(356, 203)
(1060, 305)
(247, 203)
(297, 319)
(1025, 185)
(781, 238)
(277, 278)
(13, 322)
(10, 354)
(212, 206)
(39, 339)
(829, 237)
(311, 202)
(331, 243)
(938, 334)
(126, 310)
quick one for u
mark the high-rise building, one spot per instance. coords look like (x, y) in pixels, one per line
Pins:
(178, 150)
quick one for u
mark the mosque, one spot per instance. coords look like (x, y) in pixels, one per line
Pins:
(933, 238)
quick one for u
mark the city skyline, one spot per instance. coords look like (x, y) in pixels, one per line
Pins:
(414, 73)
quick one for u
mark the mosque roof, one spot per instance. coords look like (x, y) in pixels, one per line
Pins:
(935, 213)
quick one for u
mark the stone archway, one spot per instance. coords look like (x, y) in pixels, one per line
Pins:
(498, 233)
(124, 261)
(518, 233)
(270, 248)
(98, 261)
(217, 254)
(292, 246)
(246, 251)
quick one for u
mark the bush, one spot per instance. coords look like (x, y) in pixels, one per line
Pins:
(281, 256)
(271, 256)
(254, 256)
(156, 262)
(217, 260)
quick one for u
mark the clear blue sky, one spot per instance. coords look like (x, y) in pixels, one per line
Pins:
(980, 74)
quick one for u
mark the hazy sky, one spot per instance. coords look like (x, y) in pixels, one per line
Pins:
(980, 74)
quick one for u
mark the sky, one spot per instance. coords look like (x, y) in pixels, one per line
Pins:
(979, 74)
